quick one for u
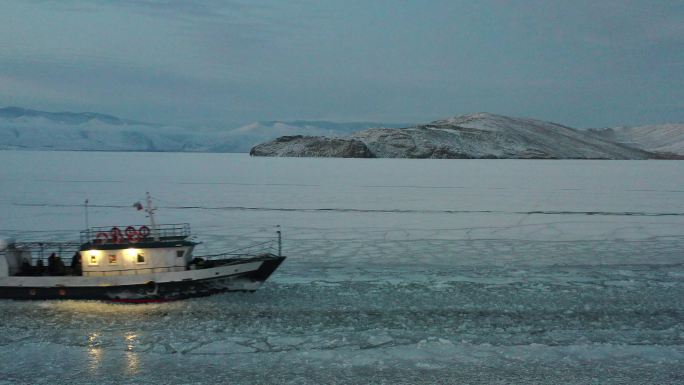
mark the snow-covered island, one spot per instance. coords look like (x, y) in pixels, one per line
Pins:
(480, 135)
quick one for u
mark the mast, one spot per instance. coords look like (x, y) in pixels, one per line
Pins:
(150, 210)
(86, 219)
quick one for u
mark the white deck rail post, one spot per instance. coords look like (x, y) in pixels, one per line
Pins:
(150, 210)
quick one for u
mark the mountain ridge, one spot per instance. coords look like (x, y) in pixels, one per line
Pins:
(27, 129)
(500, 136)
(13, 112)
(478, 135)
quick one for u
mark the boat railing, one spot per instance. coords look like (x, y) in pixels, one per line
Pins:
(43, 250)
(248, 252)
(134, 233)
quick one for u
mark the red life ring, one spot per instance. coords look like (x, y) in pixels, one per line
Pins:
(101, 237)
(132, 234)
(117, 236)
(144, 231)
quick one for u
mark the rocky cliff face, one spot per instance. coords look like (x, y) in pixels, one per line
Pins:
(479, 135)
(312, 146)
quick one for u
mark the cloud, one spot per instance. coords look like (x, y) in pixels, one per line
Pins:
(618, 24)
(213, 61)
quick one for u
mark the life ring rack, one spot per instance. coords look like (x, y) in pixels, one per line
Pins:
(144, 231)
(115, 235)
(101, 237)
(132, 234)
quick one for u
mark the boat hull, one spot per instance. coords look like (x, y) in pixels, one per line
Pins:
(238, 276)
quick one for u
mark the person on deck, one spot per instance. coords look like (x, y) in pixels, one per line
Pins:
(76, 268)
(55, 265)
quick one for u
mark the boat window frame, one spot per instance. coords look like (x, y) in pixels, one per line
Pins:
(93, 260)
(116, 259)
(137, 258)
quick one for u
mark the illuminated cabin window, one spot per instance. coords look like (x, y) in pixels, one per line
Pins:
(92, 259)
(140, 259)
(112, 259)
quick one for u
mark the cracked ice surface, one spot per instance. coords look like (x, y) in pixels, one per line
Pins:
(398, 271)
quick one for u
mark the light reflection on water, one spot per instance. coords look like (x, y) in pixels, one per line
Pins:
(94, 359)
(132, 363)
(94, 353)
(132, 359)
(130, 339)
(100, 308)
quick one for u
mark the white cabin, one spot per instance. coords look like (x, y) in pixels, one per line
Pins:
(132, 260)
(168, 250)
(11, 258)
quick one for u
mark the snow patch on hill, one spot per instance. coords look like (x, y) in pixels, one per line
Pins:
(663, 138)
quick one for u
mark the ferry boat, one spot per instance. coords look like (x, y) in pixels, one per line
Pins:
(138, 263)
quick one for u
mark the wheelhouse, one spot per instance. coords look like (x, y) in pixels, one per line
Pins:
(131, 250)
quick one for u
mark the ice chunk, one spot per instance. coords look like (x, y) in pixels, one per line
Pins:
(223, 347)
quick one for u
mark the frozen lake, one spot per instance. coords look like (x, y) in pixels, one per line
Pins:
(399, 271)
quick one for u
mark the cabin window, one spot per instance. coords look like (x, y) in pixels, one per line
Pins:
(112, 259)
(141, 258)
(180, 253)
(92, 259)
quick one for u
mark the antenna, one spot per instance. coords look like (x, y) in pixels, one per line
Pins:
(86, 219)
(150, 210)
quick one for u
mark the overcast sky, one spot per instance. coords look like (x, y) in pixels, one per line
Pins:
(221, 63)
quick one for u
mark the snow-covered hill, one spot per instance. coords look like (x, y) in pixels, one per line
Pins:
(39, 130)
(662, 138)
(480, 135)
(243, 138)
